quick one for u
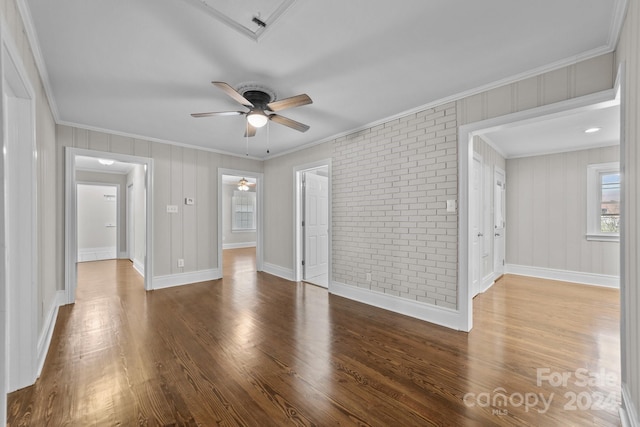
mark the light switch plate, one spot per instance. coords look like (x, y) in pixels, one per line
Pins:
(451, 205)
(172, 209)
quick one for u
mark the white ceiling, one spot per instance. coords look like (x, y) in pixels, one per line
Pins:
(141, 67)
(92, 164)
(559, 134)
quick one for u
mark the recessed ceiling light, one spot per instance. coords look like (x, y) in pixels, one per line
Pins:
(592, 130)
(105, 162)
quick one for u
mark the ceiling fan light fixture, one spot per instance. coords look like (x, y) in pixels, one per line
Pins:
(242, 185)
(257, 118)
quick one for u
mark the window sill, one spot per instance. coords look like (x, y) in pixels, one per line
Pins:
(603, 237)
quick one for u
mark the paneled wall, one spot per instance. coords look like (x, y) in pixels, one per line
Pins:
(579, 79)
(628, 53)
(179, 172)
(49, 258)
(278, 203)
(547, 213)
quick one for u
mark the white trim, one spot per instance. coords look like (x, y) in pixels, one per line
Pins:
(628, 411)
(593, 279)
(49, 323)
(465, 149)
(123, 255)
(259, 177)
(181, 279)
(276, 270)
(34, 43)
(487, 282)
(70, 235)
(238, 245)
(139, 267)
(419, 310)
(96, 254)
(297, 216)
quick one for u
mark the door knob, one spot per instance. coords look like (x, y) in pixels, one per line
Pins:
(497, 234)
(480, 234)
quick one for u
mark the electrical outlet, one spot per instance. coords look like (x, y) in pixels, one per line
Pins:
(172, 209)
(180, 262)
(369, 277)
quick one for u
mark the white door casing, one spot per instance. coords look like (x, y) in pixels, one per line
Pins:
(476, 229)
(499, 223)
(316, 228)
(130, 224)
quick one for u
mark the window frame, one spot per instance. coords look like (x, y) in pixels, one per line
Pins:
(594, 201)
(235, 228)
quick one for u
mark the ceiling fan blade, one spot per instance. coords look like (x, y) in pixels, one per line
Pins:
(288, 122)
(294, 101)
(251, 131)
(233, 93)
(218, 113)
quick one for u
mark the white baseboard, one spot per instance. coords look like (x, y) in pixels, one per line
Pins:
(564, 275)
(238, 245)
(276, 270)
(123, 255)
(49, 323)
(179, 279)
(487, 282)
(96, 254)
(419, 310)
(138, 266)
(628, 411)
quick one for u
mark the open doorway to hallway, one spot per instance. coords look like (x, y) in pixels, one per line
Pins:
(239, 221)
(92, 234)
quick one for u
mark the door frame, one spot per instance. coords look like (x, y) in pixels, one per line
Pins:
(499, 171)
(71, 226)
(259, 177)
(465, 158)
(479, 216)
(298, 234)
(18, 304)
(130, 236)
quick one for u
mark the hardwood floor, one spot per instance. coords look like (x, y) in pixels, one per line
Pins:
(256, 350)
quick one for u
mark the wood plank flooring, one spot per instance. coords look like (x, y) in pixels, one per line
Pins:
(256, 350)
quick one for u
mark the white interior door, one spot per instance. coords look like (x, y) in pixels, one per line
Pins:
(476, 230)
(499, 221)
(316, 228)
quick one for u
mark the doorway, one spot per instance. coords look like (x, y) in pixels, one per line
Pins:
(313, 223)
(571, 109)
(240, 212)
(126, 171)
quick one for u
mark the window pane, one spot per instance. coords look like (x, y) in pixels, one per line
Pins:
(610, 203)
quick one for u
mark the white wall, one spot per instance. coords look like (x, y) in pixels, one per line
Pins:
(97, 222)
(629, 52)
(179, 172)
(111, 178)
(547, 213)
(232, 238)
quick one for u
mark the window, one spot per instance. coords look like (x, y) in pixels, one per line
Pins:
(243, 211)
(603, 200)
